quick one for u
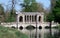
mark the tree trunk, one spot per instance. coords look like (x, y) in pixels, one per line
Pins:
(50, 28)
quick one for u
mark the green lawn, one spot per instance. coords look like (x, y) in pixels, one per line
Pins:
(11, 33)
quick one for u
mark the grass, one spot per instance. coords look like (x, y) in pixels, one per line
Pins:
(11, 33)
(57, 27)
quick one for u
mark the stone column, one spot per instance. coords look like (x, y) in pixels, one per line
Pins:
(42, 18)
(17, 21)
(29, 18)
(18, 18)
(37, 18)
(34, 18)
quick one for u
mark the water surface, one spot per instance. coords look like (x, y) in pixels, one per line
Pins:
(42, 33)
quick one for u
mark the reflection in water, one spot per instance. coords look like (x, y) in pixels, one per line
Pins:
(57, 34)
(42, 33)
(53, 34)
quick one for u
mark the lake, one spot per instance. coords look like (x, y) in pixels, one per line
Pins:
(42, 33)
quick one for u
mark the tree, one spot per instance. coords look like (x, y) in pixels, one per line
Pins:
(31, 6)
(1, 10)
(1, 13)
(56, 11)
(50, 18)
(11, 16)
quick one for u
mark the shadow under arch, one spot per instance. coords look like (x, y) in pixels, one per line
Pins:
(21, 27)
(40, 27)
(30, 27)
(13, 27)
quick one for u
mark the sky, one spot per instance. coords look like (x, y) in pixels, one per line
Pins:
(46, 3)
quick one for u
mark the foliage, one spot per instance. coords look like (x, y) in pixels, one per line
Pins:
(13, 12)
(55, 15)
(11, 33)
(2, 14)
(31, 6)
(56, 11)
(11, 17)
(7, 17)
(1, 10)
(50, 17)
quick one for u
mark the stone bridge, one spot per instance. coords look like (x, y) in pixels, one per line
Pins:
(43, 25)
(25, 19)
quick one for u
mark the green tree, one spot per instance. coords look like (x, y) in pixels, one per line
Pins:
(56, 11)
(31, 6)
(11, 16)
(50, 18)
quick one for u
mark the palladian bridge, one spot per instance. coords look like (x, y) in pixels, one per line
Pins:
(25, 19)
(30, 18)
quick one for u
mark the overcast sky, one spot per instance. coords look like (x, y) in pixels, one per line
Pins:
(46, 3)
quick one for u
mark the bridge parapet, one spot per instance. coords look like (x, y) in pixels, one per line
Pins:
(27, 24)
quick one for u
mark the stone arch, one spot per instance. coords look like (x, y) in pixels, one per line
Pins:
(30, 27)
(20, 19)
(39, 18)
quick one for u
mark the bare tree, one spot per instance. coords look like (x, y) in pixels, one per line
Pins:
(13, 4)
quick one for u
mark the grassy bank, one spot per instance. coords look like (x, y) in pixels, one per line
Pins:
(11, 33)
(57, 27)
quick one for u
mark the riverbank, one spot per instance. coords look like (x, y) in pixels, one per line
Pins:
(6, 32)
(57, 27)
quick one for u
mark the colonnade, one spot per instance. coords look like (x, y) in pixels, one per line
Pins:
(29, 18)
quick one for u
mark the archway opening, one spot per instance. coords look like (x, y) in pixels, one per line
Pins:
(20, 19)
(39, 18)
(30, 27)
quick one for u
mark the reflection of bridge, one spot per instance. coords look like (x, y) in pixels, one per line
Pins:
(25, 19)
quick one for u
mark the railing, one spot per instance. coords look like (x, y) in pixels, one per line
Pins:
(10, 23)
